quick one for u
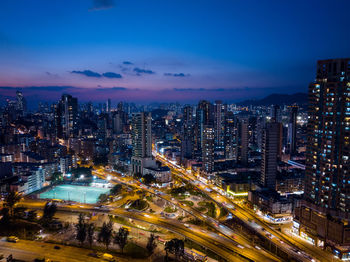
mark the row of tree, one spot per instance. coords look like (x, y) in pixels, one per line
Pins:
(85, 231)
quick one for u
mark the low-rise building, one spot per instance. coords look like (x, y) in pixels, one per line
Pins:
(162, 174)
(271, 205)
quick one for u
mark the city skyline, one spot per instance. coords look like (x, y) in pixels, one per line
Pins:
(199, 131)
(151, 51)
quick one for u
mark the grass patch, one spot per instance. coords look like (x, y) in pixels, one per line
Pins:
(20, 228)
(211, 208)
(195, 221)
(139, 204)
(223, 212)
(135, 251)
(168, 209)
(201, 209)
(181, 197)
(188, 203)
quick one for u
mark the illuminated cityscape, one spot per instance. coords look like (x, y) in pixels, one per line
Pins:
(174, 131)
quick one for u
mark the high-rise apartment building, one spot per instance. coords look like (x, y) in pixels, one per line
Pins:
(208, 149)
(220, 111)
(324, 216)
(270, 144)
(187, 133)
(109, 105)
(21, 103)
(292, 130)
(66, 117)
(243, 141)
(229, 135)
(204, 117)
(141, 141)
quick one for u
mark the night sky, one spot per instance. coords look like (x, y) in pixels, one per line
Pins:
(159, 50)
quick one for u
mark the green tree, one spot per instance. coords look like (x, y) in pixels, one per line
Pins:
(105, 235)
(169, 248)
(56, 177)
(11, 199)
(81, 229)
(121, 237)
(5, 216)
(116, 190)
(151, 244)
(103, 197)
(148, 179)
(32, 215)
(175, 246)
(90, 233)
(49, 211)
(19, 212)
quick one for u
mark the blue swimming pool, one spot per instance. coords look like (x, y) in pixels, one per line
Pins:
(82, 194)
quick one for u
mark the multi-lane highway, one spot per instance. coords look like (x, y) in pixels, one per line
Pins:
(228, 249)
(230, 235)
(294, 247)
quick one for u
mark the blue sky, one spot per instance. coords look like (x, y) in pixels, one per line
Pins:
(167, 50)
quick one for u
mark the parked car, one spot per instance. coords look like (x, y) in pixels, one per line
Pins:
(12, 239)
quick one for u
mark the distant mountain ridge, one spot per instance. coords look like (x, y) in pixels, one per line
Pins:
(278, 99)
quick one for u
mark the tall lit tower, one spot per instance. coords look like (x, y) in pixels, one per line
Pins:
(328, 155)
(324, 216)
(21, 103)
(66, 117)
(141, 141)
(204, 117)
(220, 111)
(243, 140)
(187, 133)
(109, 105)
(270, 143)
(292, 130)
(208, 149)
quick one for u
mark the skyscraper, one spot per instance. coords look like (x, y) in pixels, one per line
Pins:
(109, 105)
(204, 118)
(208, 149)
(327, 165)
(229, 135)
(66, 117)
(270, 143)
(324, 216)
(220, 111)
(292, 130)
(276, 113)
(187, 133)
(243, 137)
(21, 103)
(141, 141)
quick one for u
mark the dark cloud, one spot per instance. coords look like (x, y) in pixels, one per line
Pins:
(203, 89)
(115, 88)
(177, 74)
(112, 75)
(140, 71)
(51, 74)
(88, 73)
(38, 88)
(102, 4)
(127, 63)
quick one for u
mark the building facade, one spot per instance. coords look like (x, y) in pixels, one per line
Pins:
(324, 215)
